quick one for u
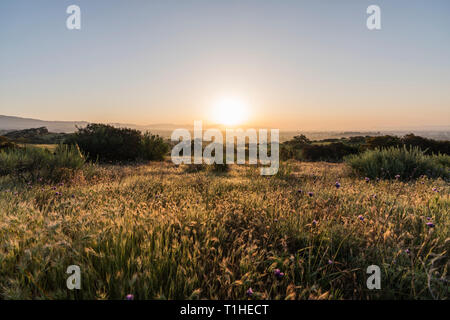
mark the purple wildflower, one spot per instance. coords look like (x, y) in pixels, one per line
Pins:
(249, 292)
(367, 179)
(299, 191)
(430, 224)
(338, 185)
(278, 273)
(397, 176)
(330, 261)
(407, 251)
(310, 194)
(360, 217)
(129, 297)
(314, 222)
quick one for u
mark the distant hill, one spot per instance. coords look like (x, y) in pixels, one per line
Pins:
(8, 123)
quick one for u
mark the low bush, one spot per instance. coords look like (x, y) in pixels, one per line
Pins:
(5, 143)
(107, 143)
(332, 152)
(33, 163)
(399, 162)
(153, 147)
(429, 146)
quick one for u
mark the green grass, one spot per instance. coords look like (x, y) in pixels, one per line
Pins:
(404, 163)
(156, 231)
(31, 163)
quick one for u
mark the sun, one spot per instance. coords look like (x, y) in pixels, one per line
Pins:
(230, 111)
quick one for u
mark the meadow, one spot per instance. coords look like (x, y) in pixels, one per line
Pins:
(158, 231)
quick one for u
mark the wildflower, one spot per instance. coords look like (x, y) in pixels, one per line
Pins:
(53, 188)
(435, 190)
(374, 196)
(360, 217)
(314, 222)
(58, 193)
(310, 194)
(428, 218)
(367, 179)
(407, 251)
(330, 261)
(249, 292)
(276, 220)
(338, 185)
(129, 297)
(299, 191)
(397, 176)
(278, 273)
(430, 224)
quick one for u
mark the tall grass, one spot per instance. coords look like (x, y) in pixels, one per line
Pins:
(32, 163)
(157, 232)
(400, 162)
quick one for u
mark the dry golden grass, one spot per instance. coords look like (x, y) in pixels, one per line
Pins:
(156, 231)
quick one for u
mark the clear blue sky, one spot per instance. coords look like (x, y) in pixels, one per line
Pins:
(296, 64)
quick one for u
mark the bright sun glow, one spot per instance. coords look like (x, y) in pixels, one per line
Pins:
(230, 111)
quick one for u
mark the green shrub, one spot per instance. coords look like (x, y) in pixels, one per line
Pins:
(429, 146)
(5, 143)
(332, 152)
(153, 147)
(107, 143)
(32, 163)
(443, 159)
(379, 142)
(408, 163)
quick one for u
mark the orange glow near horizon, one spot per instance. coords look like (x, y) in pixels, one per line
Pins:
(230, 111)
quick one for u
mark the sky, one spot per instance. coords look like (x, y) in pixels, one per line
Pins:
(300, 65)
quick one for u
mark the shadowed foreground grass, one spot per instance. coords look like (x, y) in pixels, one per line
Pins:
(158, 232)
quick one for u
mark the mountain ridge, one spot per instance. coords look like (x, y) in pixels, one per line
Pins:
(9, 123)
